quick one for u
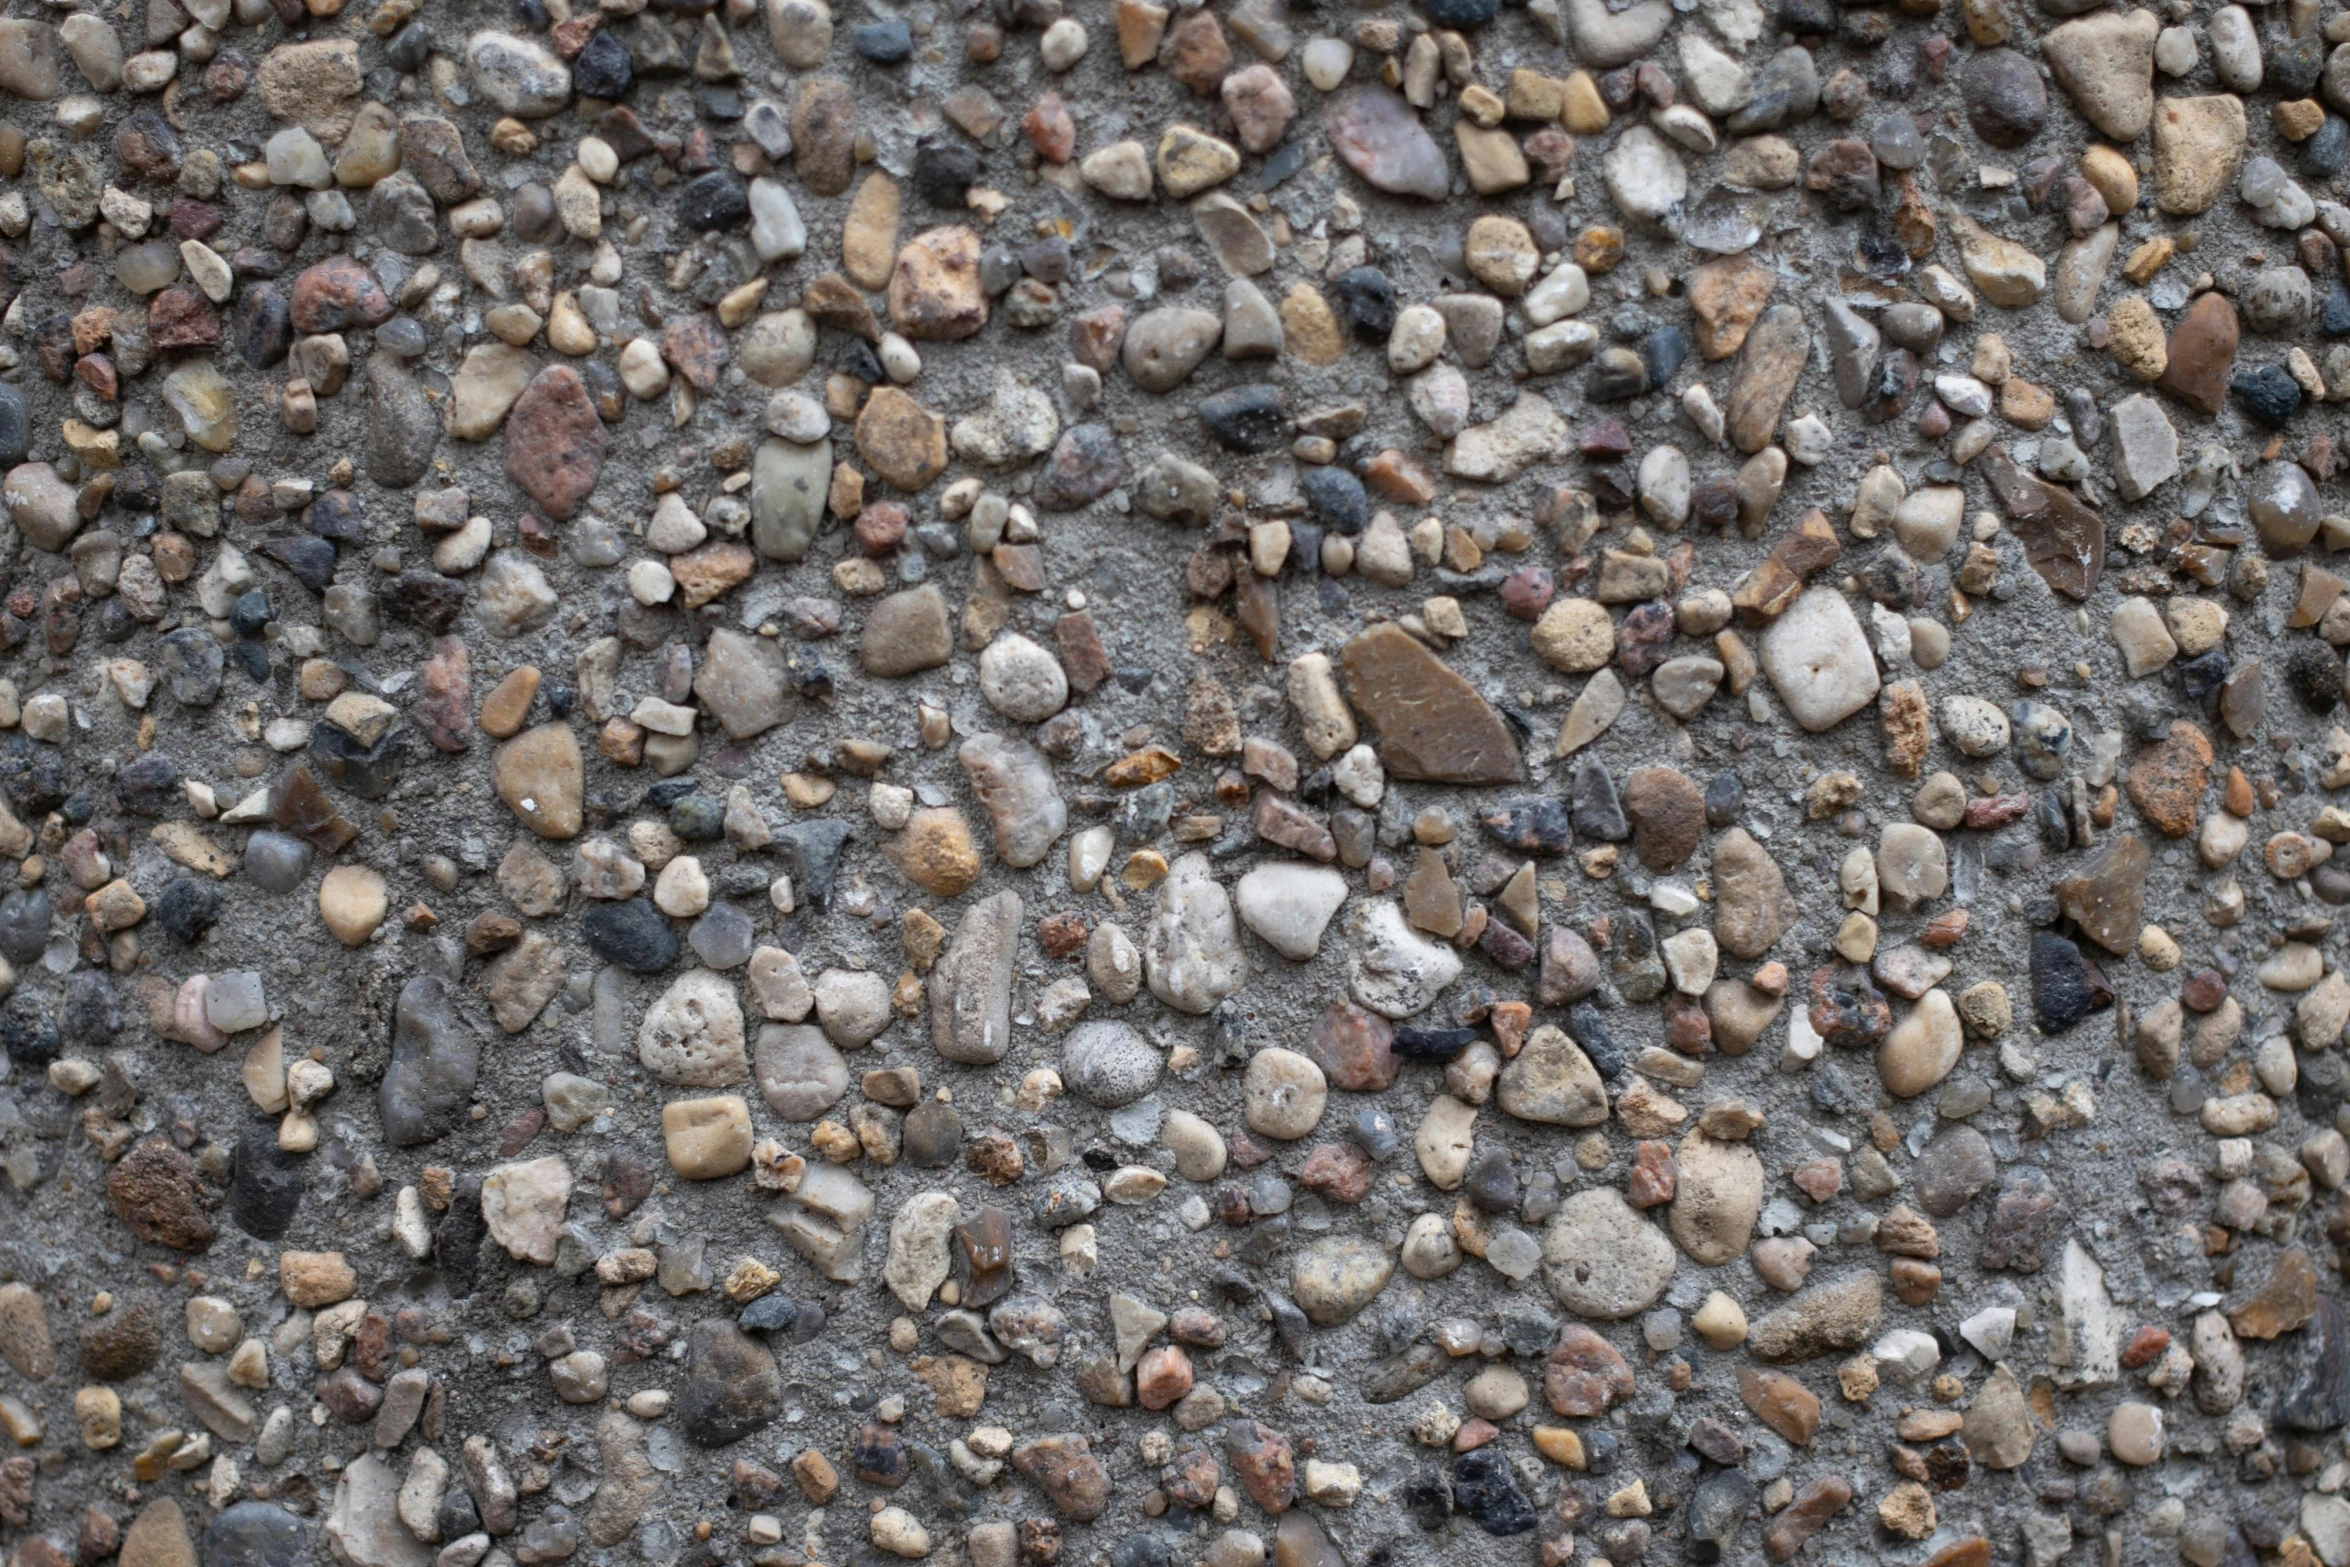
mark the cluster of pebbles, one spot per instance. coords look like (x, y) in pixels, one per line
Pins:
(1173, 785)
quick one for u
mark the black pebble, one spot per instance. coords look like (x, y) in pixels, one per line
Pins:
(633, 934)
(1245, 418)
(713, 201)
(2267, 393)
(1367, 300)
(265, 1192)
(188, 908)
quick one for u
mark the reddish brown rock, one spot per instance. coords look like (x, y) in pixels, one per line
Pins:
(1196, 53)
(707, 573)
(1974, 1551)
(1341, 1172)
(444, 707)
(1083, 658)
(1096, 337)
(2203, 354)
(1049, 129)
(154, 1189)
(1775, 352)
(2286, 1302)
(1584, 1375)
(1433, 725)
(182, 317)
(1780, 1402)
(2107, 897)
(1813, 1506)
(1354, 1048)
(555, 442)
(1654, 1176)
(696, 346)
(1064, 1468)
(1162, 1377)
(1264, 1462)
(2166, 782)
(337, 295)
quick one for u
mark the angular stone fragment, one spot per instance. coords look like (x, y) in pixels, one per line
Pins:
(2201, 356)
(970, 987)
(1432, 724)
(2062, 538)
(2107, 897)
(2166, 782)
(1770, 360)
(554, 442)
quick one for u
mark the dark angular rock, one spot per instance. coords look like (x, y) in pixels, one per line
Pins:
(714, 201)
(811, 851)
(603, 69)
(731, 1386)
(1484, 1488)
(265, 1190)
(1366, 301)
(190, 661)
(1085, 465)
(1337, 498)
(2318, 1396)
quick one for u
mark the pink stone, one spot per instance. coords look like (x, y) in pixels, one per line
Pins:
(188, 1022)
(1260, 105)
(1383, 141)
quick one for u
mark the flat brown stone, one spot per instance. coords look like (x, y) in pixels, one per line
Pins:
(2202, 354)
(1668, 816)
(1781, 1402)
(1813, 1506)
(1772, 358)
(2107, 899)
(1432, 724)
(2062, 537)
